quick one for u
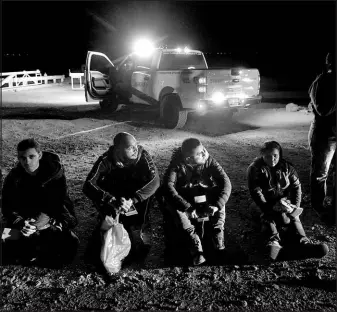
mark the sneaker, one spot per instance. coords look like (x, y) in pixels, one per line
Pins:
(198, 259)
(218, 240)
(310, 250)
(273, 249)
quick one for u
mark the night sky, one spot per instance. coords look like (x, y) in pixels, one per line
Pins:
(280, 38)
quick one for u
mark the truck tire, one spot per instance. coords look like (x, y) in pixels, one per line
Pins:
(109, 105)
(171, 113)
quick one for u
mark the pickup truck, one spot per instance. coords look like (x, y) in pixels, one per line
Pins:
(175, 81)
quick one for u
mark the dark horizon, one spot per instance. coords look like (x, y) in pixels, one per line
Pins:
(279, 38)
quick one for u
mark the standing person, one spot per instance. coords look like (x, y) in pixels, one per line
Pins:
(123, 178)
(37, 209)
(193, 178)
(322, 136)
(271, 180)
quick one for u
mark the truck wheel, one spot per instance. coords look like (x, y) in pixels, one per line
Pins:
(171, 113)
(109, 105)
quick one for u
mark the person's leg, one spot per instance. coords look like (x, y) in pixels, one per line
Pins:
(333, 204)
(218, 224)
(269, 227)
(296, 228)
(270, 223)
(183, 222)
(49, 247)
(300, 245)
(93, 248)
(321, 157)
(139, 230)
(68, 246)
(12, 251)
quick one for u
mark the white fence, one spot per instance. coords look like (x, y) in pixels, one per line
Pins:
(13, 80)
(76, 76)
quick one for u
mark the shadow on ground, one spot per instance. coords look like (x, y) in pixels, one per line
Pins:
(311, 282)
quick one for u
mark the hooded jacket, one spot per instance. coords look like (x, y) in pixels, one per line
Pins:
(109, 179)
(43, 196)
(268, 185)
(179, 175)
(322, 93)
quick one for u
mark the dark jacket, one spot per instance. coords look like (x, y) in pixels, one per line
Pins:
(268, 185)
(179, 176)
(107, 179)
(323, 99)
(42, 196)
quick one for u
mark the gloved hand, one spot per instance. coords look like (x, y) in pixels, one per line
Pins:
(28, 229)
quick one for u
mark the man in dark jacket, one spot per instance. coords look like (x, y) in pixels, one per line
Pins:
(194, 180)
(322, 135)
(122, 181)
(36, 207)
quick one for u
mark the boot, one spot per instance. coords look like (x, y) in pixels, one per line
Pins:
(196, 249)
(218, 239)
(273, 248)
(309, 250)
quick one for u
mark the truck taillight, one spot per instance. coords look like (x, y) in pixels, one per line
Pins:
(202, 89)
(202, 80)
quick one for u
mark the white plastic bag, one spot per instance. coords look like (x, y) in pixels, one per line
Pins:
(116, 244)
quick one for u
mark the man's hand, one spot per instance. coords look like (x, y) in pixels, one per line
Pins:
(287, 207)
(212, 210)
(28, 229)
(125, 205)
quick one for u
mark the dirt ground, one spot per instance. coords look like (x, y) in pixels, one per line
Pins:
(59, 119)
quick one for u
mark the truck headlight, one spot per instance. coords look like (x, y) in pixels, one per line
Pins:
(202, 80)
(143, 47)
(218, 97)
(202, 89)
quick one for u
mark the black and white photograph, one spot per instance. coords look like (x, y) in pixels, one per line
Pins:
(168, 155)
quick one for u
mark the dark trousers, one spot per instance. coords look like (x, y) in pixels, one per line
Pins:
(137, 227)
(48, 246)
(272, 223)
(322, 154)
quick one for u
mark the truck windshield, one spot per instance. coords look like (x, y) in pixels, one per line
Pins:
(176, 61)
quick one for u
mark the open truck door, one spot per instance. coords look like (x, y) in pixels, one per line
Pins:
(97, 82)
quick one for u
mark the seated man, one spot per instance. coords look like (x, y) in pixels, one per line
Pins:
(38, 213)
(122, 181)
(276, 191)
(196, 185)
